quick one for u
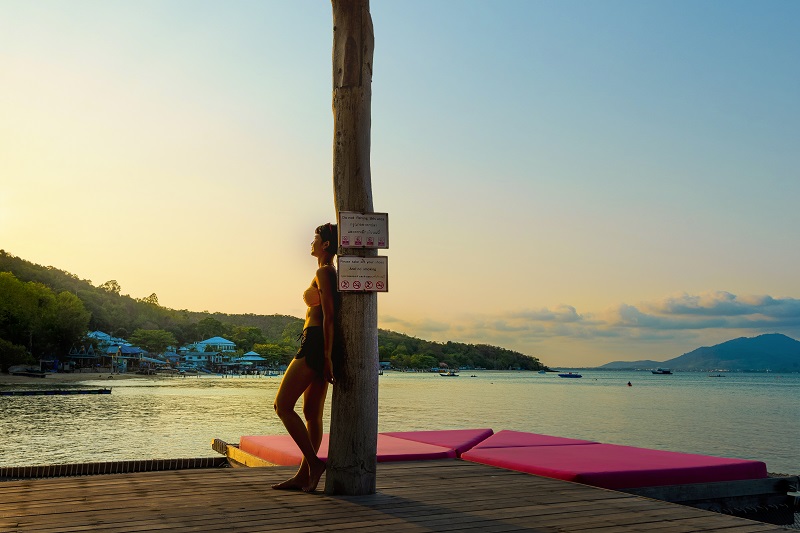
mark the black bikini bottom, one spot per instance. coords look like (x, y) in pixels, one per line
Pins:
(312, 348)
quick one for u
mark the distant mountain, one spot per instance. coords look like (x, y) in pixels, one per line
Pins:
(773, 351)
(636, 365)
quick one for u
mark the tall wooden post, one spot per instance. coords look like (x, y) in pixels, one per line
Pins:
(354, 412)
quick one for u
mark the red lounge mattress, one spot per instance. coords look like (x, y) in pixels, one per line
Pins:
(459, 440)
(281, 449)
(618, 467)
(509, 439)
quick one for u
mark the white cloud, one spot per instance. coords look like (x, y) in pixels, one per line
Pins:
(674, 317)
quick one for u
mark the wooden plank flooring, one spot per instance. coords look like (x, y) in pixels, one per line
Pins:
(447, 495)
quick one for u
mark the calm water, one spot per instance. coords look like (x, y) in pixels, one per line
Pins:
(750, 416)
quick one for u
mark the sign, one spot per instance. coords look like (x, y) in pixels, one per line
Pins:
(363, 230)
(363, 274)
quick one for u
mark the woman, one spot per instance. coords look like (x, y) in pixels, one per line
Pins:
(311, 370)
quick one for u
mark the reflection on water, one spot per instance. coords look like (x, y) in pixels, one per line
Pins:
(752, 416)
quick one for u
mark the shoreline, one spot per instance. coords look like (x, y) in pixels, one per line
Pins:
(61, 378)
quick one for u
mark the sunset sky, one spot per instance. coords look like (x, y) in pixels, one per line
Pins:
(580, 181)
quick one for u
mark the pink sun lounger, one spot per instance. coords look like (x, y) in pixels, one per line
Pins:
(281, 449)
(616, 467)
(508, 439)
(459, 440)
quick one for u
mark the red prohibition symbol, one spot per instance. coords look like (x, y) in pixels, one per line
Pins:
(379, 284)
(368, 285)
(356, 284)
(345, 284)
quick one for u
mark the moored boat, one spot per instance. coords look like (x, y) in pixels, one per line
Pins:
(570, 375)
(54, 392)
(662, 371)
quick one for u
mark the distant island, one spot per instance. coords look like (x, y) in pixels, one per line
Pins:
(772, 352)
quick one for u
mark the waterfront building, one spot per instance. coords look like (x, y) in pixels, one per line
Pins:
(215, 344)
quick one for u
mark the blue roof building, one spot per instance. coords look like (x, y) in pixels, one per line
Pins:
(217, 344)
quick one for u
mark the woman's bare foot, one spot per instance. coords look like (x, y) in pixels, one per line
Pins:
(314, 473)
(295, 483)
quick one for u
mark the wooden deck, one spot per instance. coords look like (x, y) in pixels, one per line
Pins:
(446, 495)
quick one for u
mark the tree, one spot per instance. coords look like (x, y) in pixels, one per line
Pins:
(246, 337)
(152, 300)
(13, 354)
(111, 286)
(153, 340)
(32, 315)
(67, 321)
(354, 408)
(210, 327)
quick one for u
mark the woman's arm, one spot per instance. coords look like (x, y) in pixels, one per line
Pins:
(326, 283)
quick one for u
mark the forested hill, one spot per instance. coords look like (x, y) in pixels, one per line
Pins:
(107, 309)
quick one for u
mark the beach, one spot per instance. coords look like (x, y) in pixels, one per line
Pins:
(71, 378)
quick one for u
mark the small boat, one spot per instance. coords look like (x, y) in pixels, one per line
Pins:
(716, 375)
(29, 374)
(54, 392)
(570, 375)
(661, 371)
(449, 374)
(543, 371)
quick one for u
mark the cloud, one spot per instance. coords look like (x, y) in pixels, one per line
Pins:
(722, 303)
(420, 327)
(723, 310)
(564, 313)
(673, 317)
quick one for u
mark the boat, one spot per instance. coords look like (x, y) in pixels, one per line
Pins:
(661, 371)
(54, 392)
(543, 371)
(570, 375)
(716, 375)
(449, 374)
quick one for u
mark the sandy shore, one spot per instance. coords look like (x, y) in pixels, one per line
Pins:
(52, 378)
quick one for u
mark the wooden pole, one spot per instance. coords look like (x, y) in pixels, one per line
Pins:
(354, 407)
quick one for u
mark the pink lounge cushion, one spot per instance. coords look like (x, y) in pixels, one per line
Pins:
(459, 440)
(510, 439)
(394, 449)
(281, 449)
(278, 449)
(618, 467)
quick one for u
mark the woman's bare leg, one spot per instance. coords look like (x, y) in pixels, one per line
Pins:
(296, 380)
(313, 410)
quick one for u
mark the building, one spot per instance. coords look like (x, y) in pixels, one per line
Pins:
(215, 344)
(104, 340)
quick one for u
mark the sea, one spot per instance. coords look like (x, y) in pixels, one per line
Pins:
(731, 414)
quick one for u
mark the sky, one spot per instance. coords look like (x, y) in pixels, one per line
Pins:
(580, 181)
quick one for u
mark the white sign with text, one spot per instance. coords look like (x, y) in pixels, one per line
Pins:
(363, 230)
(363, 274)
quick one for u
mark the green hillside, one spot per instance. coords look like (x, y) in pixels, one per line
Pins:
(84, 307)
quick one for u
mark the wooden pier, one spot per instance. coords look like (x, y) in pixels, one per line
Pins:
(443, 495)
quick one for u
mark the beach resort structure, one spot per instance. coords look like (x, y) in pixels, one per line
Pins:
(104, 340)
(214, 344)
(215, 354)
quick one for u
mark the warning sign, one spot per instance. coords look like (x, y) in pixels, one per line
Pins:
(363, 274)
(363, 230)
